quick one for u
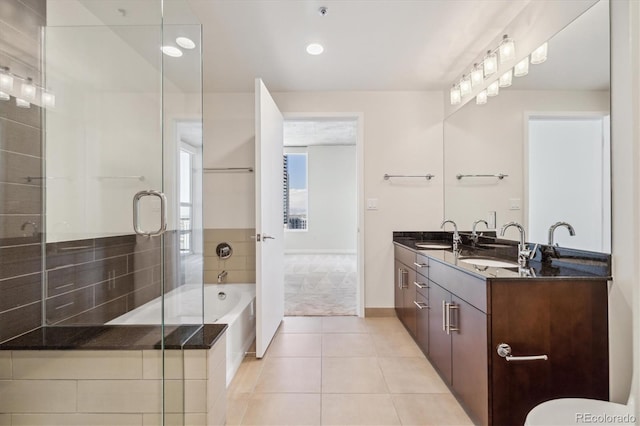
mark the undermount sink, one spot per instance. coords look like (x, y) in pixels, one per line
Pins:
(434, 246)
(495, 263)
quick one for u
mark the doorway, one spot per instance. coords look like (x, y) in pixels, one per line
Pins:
(320, 204)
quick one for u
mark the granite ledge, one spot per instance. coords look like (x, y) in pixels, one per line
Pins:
(117, 337)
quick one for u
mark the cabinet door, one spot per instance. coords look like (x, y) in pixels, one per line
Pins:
(422, 320)
(470, 370)
(439, 340)
(409, 307)
(567, 321)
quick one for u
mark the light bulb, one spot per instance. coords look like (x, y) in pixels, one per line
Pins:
(477, 76)
(6, 82)
(28, 90)
(493, 89)
(48, 100)
(465, 86)
(4, 96)
(21, 103)
(521, 68)
(185, 43)
(490, 64)
(481, 99)
(539, 55)
(172, 51)
(505, 79)
(455, 95)
(507, 49)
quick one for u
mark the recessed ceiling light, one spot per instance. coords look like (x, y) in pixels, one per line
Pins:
(315, 49)
(172, 51)
(185, 42)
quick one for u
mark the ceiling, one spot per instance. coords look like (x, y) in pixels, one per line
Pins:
(369, 44)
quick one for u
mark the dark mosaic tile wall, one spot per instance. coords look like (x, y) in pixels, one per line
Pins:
(21, 22)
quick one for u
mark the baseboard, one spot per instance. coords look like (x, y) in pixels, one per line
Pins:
(379, 312)
(319, 251)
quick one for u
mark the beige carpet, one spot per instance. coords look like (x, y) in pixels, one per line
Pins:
(320, 284)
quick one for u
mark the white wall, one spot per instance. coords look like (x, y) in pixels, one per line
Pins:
(332, 192)
(402, 134)
(490, 139)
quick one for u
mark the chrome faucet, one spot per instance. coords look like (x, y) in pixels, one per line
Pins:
(553, 227)
(456, 236)
(221, 276)
(33, 225)
(524, 253)
(474, 234)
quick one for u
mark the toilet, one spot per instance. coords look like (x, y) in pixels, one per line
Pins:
(577, 411)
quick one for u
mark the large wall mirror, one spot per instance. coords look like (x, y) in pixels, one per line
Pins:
(549, 135)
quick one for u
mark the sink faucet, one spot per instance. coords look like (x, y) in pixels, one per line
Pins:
(553, 227)
(523, 250)
(474, 234)
(221, 276)
(456, 236)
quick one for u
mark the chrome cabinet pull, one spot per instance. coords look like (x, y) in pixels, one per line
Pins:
(450, 328)
(136, 213)
(405, 273)
(504, 350)
(444, 316)
(400, 277)
(421, 265)
(420, 285)
(420, 305)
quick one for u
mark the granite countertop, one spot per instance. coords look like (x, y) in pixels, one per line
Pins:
(117, 337)
(560, 263)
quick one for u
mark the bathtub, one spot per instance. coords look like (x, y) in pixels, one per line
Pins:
(231, 304)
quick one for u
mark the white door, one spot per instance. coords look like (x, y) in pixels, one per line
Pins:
(269, 219)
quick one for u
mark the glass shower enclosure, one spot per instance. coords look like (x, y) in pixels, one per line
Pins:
(123, 166)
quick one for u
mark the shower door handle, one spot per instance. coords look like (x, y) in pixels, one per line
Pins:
(136, 212)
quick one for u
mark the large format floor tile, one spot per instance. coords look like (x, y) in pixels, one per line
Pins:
(357, 409)
(352, 375)
(295, 375)
(283, 409)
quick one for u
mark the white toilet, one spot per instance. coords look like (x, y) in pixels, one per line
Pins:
(580, 411)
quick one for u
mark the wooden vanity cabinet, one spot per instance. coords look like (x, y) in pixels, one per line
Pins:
(405, 295)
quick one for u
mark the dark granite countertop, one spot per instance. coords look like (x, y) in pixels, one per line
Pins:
(117, 337)
(559, 263)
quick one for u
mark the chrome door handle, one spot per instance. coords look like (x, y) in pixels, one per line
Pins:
(136, 212)
(420, 285)
(267, 237)
(504, 350)
(421, 265)
(420, 305)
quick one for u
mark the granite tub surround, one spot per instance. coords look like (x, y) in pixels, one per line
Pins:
(120, 386)
(241, 266)
(548, 261)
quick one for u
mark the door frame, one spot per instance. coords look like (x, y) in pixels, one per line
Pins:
(359, 118)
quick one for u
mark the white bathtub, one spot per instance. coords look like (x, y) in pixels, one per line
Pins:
(234, 307)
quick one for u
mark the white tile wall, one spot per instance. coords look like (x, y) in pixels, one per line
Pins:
(120, 396)
(195, 396)
(195, 364)
(77, 420)
(28, 365)
(37, 396)
(5, 365)
(5, 419)
(152, 364)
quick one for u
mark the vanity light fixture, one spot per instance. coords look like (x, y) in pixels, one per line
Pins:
(490, 63)
(493, 89)
(465, 86)
(539, 55)
(507, 49)
(477, 75)
(454, 95)
(26, 91)
(21, 103)
(481, 98)
(185, 43)
(4, 96)
(521, 68)
(506, 79)
(6, 80)
(48, 100)
(315, 49)
(172, 51)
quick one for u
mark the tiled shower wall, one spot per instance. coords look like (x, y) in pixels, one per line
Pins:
(21, 22)
(241, 266)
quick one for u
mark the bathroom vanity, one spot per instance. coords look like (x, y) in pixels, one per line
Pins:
(506, 339)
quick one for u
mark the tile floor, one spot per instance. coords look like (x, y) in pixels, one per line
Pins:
(341, 371)
(320, 284)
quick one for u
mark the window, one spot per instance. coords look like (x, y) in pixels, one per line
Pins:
(186, 201)
(296, 199)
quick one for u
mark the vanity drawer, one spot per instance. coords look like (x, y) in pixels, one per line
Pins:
(422, 264)
(422, 283)
(404, 255)
(467, 287)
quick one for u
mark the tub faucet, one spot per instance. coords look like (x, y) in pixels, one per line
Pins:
(456, 236)
(474, 234)
(524, 253)
(221, 276)
(33, 225)
(553, 227)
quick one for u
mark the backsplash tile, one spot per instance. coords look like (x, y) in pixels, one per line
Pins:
(241, 266)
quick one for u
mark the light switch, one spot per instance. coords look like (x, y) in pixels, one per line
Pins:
(514, 203)
(491, 220)
(372, 204)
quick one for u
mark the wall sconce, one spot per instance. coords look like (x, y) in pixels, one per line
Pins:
(539, 55)
(27, 93)
(477, 75)
(493, 89)
(481, 98)
(507, 49)
(455, 96)
(506, 79)
(521, 68)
